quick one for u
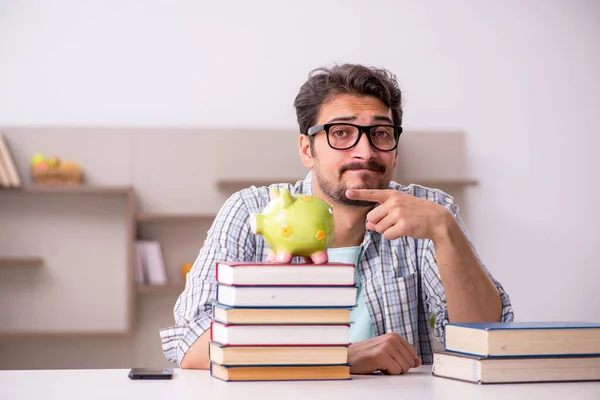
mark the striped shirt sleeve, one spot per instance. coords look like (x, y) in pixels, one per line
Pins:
(435, 294)
(228, 239)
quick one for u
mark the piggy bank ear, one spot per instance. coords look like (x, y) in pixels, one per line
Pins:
(273, 193)
(287, 197)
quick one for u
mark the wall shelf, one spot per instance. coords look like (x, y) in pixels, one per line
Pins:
(117, 203)
(21, 262)
(155, 289)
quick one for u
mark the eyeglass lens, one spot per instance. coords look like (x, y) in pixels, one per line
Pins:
(342, 136)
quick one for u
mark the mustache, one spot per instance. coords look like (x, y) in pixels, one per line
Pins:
(370, 165)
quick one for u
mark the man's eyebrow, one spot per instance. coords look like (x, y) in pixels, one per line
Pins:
(376, 118)
(341, 119)
(384, 118)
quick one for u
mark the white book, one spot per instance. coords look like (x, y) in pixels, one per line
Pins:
(138, 264)
(280, 334)
(257, 273)
(149, 269)
(149, 264)
(282, 296)
(156, 265)
(484, 370)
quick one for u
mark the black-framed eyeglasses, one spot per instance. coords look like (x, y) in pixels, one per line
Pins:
(344, 136)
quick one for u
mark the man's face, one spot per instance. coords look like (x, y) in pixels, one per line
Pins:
(362, 166)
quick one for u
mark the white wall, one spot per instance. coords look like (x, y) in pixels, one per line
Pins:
(521, 78)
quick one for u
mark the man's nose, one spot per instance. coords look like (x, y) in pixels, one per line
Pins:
(363, 148)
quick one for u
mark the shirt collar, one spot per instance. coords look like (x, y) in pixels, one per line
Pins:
(307, 184)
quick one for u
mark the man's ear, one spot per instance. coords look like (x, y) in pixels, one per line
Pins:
(305, 153)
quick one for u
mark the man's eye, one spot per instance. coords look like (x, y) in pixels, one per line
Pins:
(340, 134)
(381, 134)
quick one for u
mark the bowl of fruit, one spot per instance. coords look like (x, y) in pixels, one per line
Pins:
(54, 171)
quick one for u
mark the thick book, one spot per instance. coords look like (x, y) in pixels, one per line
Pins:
(286, 296)
(277, 355)
(280, 373)
(484, 370)
(503, 339)
(280, 334)
(257, 273)
(280, 315)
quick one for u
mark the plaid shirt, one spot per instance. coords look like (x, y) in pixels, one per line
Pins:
(400, 278)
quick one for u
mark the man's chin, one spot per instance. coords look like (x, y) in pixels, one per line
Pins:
(362, 174)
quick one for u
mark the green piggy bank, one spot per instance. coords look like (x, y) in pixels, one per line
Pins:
(295, 225)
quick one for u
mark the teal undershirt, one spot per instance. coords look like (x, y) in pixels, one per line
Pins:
(361, 328)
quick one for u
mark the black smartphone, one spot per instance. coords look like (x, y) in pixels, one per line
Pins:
(151, 373)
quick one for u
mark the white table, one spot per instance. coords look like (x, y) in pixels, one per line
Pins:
(418, 384)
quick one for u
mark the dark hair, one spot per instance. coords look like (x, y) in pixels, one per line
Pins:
(324, 83)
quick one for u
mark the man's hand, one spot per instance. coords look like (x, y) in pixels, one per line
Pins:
(470, 292)
(388, 353)
(401, 214)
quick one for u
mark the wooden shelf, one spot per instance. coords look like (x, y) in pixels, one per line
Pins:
(158, 217)
(21, 262)
(152, 289)
(82, 189)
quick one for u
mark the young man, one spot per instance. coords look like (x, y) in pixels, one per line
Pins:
(412, 253)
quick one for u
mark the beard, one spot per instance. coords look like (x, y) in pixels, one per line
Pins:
(337, 190)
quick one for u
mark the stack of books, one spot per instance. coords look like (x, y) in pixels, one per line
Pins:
(511, 352)
(149, 264)
(276, 321)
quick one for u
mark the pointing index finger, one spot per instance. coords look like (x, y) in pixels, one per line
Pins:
(376, 195)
